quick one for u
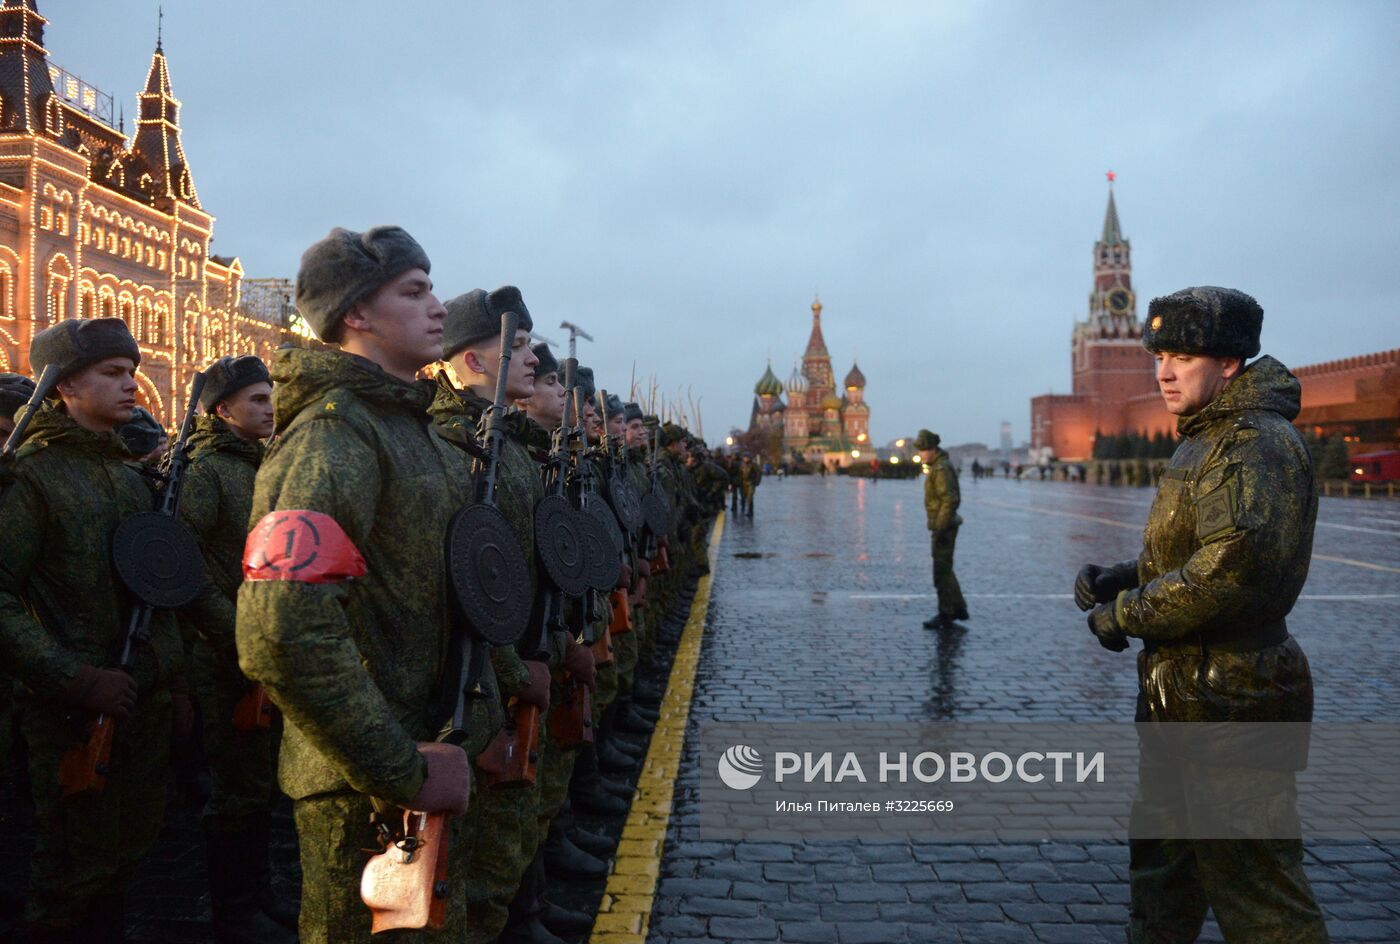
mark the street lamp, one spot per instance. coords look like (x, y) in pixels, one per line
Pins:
(855, 453)
(899, 443)
(729, 440)
(894, 460)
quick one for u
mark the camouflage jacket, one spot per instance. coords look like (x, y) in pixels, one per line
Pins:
(457, 416)
(61, 603)
(215, 501)
(941, 495)
(750, 475)
(1226, 549)
(357, 666)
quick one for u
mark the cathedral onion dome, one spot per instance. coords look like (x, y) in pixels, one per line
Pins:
(855, 378)
(797, 384)
(768, 385)
(832, 402)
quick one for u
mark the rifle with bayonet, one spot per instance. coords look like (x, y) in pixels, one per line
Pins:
(158, 559)
(626, 511)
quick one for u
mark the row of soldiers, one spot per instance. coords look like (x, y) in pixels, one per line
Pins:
(330, 644)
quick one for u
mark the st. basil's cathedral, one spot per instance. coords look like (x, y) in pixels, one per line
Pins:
(818, 424)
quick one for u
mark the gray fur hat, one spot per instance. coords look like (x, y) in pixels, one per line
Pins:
(141, 433)
(15, 391)
(549, 364)
(631, 411)
(228, 375)
(476, 316)
(79, 343)
(615, 407)
(584, 378)
(347, 267)
(926, 440)
(1206, 319)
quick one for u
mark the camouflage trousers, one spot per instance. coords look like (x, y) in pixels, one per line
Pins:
(336, 839)
(88, 845)
(500, 842)
(945, 582)
(746, 499)
(242, 764)
(556, 770)
(626, 652)
(1256, 887)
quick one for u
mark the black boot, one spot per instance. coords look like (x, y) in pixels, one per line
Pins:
(586, 791)
(939, 621)
(961, 614)
(592, 843)
(237, 861)
(277, 908)
(532, 931)
(563, 920)
(562, 857)
(628, 718)
(614, 761)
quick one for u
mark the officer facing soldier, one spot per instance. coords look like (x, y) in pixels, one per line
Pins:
(1225, 554)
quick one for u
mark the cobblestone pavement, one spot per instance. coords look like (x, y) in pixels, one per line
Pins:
(815, 615)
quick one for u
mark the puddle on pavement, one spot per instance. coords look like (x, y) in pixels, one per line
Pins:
(815, 555)
(753, 555)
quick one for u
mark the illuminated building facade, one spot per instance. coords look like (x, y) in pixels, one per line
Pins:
(816, 423)
(95, 225)
(1114, 379)
(1356, 398)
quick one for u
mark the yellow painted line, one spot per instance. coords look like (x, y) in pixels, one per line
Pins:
(625, 911)
(1384, 568)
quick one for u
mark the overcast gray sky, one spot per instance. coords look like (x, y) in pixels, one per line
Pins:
(679, 178)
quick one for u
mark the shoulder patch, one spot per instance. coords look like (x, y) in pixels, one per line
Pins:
(1215, 513)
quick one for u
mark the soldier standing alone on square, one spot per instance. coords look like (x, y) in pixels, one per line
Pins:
(941, 500)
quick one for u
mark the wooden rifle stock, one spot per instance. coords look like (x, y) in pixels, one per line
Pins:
(405, 886)
(602, 648)
(253, 711)
(509, 760)
(571, 720)
(84, 767)
(621, 623)
(661, 563)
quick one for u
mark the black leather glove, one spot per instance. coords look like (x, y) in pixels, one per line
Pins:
(1096, 584)
(1103, 623)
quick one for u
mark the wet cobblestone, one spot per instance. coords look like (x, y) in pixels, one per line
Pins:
(815, 616)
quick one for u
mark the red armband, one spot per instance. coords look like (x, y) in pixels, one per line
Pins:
(306, 546)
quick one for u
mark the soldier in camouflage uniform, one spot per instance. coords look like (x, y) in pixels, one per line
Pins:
(941, 500)
(15, 391)
(226, 448)
(507, 833)
(749, 476)
(62, 611)
(348, 625)
(1225, 554)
